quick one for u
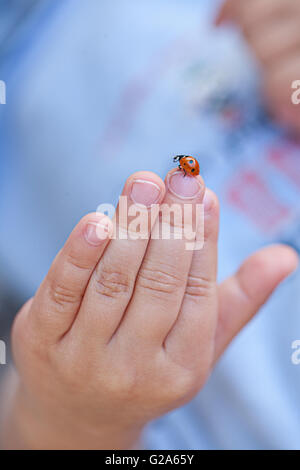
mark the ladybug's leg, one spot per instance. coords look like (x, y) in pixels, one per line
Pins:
(184, 172)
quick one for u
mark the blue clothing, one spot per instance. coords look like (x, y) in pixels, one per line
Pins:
(109, 88)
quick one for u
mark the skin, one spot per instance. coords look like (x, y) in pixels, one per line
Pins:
(123, 331)
(272, 30)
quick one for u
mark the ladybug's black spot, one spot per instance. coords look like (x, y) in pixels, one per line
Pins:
(193, 170)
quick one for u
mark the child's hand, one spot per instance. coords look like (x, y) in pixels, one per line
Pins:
(272, 29)
(122, 331)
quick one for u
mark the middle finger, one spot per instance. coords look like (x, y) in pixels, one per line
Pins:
(162, 278)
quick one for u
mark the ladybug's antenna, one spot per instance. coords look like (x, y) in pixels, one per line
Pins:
(177, 158)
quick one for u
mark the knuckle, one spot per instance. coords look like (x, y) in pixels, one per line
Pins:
(62, 295)
(181, 387)
(200, 287)
(23, 334)
(75, 378)
(73, 260)
(158, 281)
(123, 387)
(185, 387)
(112, 283)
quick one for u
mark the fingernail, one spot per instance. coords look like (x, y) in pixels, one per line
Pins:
(96, 232)
(145, 192)
(184, 187)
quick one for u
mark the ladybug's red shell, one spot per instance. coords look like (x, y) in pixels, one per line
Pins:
(189, 165)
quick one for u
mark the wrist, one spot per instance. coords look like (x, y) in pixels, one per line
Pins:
(28, 425)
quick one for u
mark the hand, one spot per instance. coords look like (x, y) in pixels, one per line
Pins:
(123, 330)
(272, 29)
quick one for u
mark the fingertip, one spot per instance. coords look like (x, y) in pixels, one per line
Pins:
(267, 268)
(199, 177)
(97, 228)
(211, 216)
(211, 203)
(183, 186)
(289, 257)
(147, 176)
(94, 228)
(91, 216)
(243, 294)
(144, 188)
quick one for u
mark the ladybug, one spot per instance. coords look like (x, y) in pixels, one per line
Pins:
(188, 164)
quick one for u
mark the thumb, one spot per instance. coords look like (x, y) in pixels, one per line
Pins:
(243, 294)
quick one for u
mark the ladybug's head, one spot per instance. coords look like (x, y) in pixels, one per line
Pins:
(178, 158)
